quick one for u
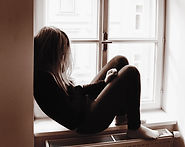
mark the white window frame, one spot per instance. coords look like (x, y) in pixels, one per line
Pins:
(40, 10)
(159, 43)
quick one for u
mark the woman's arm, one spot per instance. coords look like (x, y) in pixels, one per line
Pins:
(94, 89)
(97, 87)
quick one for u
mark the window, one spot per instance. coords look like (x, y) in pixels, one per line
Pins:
(101, 29)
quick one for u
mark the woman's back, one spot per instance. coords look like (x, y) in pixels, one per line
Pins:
(65, 109)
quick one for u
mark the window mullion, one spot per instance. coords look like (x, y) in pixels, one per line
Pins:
(133, 40)
(99, 55)
(105, 31)
(160, 16)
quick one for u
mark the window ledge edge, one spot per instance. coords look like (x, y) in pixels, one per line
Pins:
(155, 119)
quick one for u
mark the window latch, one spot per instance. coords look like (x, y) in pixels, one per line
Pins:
(105, 35)
(106, 42)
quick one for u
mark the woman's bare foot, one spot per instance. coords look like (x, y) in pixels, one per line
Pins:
(143, 132)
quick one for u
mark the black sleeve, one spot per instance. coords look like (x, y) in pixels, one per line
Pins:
(95, 88)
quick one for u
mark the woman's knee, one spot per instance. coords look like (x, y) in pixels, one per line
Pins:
(120, 61)
(130, 71)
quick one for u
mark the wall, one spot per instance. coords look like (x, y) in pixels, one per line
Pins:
(174, 77)
(16, 53)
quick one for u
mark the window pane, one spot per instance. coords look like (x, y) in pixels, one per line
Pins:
(84, 62)
(142, 56)
(132, 18)
(78, 18)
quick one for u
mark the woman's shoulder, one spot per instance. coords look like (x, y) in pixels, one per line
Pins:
(39, 72)
(44, 78)
(42, 74)
(45, 84)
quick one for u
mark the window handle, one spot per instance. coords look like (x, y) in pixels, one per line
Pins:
(106, 42)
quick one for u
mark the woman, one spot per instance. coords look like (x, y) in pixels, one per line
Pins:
(89, 108)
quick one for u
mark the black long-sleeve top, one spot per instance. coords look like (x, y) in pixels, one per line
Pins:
(68, 110)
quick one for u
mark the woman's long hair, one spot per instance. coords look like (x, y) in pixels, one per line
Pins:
(52, 54)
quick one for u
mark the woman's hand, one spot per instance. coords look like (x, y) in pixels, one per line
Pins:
(111, 74)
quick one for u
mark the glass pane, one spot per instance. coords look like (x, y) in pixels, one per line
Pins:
(84, 62)
(140, 55)
(132, 18)
(78, 18)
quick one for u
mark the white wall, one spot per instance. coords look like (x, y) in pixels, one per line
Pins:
(16, 53)
(174, 77)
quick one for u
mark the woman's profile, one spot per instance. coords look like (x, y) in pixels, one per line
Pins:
(89, 108)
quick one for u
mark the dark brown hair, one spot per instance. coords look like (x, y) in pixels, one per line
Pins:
(52, 54)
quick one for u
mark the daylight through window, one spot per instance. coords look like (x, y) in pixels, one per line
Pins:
(132, 28)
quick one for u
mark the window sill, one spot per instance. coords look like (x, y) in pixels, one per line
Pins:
(154, 119)
(47, 129)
